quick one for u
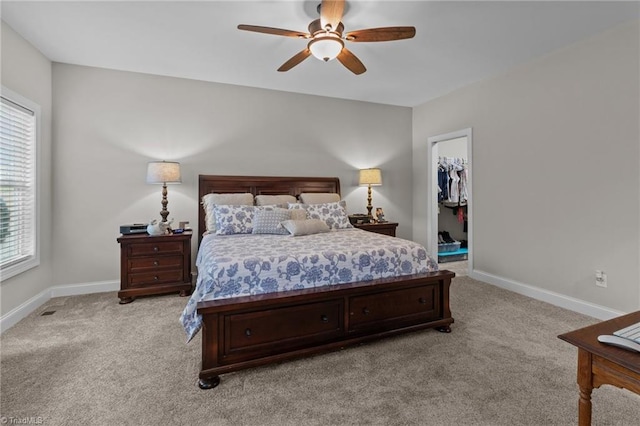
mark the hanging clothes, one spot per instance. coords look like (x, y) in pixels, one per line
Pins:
(443, 183)
(452, 181)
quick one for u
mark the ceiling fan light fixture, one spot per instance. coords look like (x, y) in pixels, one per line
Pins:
(326, 47)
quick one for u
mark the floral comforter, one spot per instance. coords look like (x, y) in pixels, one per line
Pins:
(248, 264)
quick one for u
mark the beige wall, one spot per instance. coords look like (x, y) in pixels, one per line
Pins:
(108, 124)
(555, 167)
(27, 72)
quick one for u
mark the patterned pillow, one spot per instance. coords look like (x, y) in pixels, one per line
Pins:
(213, 199)
(268, 221)
(233, 219)
(334, 214)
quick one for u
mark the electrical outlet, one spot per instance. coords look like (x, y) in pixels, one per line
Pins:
(601, 279)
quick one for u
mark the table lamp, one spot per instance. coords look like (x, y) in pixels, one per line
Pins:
(370, 177)
(163, 172)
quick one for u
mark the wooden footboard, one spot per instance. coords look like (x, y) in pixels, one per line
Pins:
(257, 330)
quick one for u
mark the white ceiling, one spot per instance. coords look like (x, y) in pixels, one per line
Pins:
(456, 42)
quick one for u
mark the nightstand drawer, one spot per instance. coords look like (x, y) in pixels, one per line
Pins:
(143, 264)
(157, 277)
(146, 249)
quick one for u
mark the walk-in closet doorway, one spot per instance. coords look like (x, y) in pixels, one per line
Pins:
(450, 198)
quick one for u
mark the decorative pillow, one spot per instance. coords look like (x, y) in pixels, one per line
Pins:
(233, 219)
(319, 197)
(267, 221)
(334, 214)
(268, 200)
(298, 213)
(305, 227)
(213, 199)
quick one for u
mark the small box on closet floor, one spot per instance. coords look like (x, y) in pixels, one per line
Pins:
(448, 247)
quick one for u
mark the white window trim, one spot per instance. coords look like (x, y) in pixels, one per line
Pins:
(34, 260)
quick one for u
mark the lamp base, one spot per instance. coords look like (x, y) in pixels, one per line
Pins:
(164, 213)
(369, 206)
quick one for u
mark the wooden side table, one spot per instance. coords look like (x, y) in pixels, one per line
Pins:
(154, 265)
(385, 228)
(601, 364)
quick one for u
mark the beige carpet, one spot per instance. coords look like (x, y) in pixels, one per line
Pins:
(95, 362)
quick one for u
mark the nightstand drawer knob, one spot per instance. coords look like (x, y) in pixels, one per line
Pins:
(155, 278)
(155, 248)
(365, 311)
(324, 318)
(156, 263)
(247, 332)
(422, 300)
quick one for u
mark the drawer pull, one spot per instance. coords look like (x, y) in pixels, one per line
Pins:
(247, 332)
(156, 263)
(422, 300)
(365, 311)
(155, 278)
(155, 248)
(324, 318)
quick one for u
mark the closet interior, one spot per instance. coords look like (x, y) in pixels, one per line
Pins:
(452, 200)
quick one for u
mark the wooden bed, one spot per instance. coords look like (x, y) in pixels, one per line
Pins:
(250, 331)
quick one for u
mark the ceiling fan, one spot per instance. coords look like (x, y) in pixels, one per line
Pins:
(326, 37)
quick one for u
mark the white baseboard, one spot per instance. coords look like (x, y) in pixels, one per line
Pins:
(557, 299)
(88, 288)
(12, 317)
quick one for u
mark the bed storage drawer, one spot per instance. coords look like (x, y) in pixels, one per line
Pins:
(281, 329)
(398, 306)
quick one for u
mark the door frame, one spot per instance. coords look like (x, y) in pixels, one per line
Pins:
(432, 190)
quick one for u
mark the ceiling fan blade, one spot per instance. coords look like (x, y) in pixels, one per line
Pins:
(331, 13)
(274, 31)
(295, 60)
(381, 34)
(350, 61)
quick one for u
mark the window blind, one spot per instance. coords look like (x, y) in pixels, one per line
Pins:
(17, 184)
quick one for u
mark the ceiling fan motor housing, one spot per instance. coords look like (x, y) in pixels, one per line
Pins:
(325, 45)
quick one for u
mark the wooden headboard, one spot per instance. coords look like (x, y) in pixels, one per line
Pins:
(260, 185)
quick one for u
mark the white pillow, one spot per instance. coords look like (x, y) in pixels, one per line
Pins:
(319, 197)
(268, 200)
(305, 227)
(213, 199)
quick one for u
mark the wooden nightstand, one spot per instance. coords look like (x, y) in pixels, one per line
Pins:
(386, 228)
(154, 265)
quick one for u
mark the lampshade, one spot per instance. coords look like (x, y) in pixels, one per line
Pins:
(371, 177)
(163, 172)
(326, 47)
